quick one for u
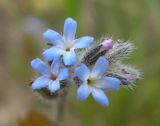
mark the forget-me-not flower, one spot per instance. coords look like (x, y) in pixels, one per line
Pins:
(65, 44)
(50, 75)
(94, 81)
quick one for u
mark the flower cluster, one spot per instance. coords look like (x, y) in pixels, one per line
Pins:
(90, 66)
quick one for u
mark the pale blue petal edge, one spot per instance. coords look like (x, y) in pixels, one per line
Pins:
(40, 66)
(52, 53)
(109, 83)
(100, 97)
(82, 72)
(40, 83)
(56, 63)
(83, 42)
(53, 37)
(69, 58)
(100, 67)
(83, 92)
(63, 74)
(70, 27)
(53, 86)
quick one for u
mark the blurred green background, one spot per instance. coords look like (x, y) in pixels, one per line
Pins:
(22, 23)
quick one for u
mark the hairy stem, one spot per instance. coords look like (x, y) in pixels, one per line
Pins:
(61, 106)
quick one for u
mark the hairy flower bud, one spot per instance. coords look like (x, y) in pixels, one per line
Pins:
(92, 54)
(127, 79)
(107, 44)
(89, 56)
(120, 51)
(127, 74)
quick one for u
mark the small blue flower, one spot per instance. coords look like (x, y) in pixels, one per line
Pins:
(94, 81)
(50, 75)
(66, 44)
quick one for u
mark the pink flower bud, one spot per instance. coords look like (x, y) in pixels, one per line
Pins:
(127, 78)
(107, 44)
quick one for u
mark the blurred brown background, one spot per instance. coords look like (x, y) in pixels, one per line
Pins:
(22, 23)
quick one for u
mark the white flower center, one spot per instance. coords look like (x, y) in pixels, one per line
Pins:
(91, 81)
(68, 46)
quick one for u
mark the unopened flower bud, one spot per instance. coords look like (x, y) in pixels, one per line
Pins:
(107, 44)
(94, 53)
(127, 79)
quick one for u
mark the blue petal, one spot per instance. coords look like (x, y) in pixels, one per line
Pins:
(69, 58)
(52, 53)
(70, 27)
(54, 86)
(55, 65)
(53, 37)
(100, 67)
(83, 92)
(100, 97)
(83, 42)
(82, 72)
(63, 74)
(40, 66)
(40, 82)
(109, 83)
